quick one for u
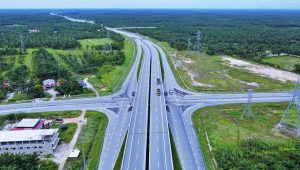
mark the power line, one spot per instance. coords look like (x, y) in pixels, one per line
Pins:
(189, 46)
(248, 113)
(293, 106)
(109, 47)
(22, 45)
(198, 45)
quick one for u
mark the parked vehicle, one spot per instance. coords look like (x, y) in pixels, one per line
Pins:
(171, 92)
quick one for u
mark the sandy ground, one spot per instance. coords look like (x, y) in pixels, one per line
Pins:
(182, 62)
(53, 93)
(262, 70)
(90, 86)
(63, 151)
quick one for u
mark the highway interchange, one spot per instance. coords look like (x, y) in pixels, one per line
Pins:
(136, 111)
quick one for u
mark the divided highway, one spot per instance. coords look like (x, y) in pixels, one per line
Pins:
(136, 144)
(138, 103)
(160, 154)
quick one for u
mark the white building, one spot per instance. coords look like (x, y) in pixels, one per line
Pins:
(43, 141)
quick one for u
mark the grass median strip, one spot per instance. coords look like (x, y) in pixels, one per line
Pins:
(119, 161)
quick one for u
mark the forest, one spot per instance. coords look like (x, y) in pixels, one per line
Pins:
(44, 30)
(248, 33)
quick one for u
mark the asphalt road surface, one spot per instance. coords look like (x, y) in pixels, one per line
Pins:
(130, 109)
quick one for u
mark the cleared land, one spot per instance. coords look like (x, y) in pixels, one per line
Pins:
(283, 62)
(201, 72)
(226, 129)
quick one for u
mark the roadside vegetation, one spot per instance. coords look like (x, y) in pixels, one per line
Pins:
(251, 141)
(202, 72)
(93, 135)
(176, 160)
(20, 161)
(119, 160)
(45, 115)
(70, 53)
(289, 63)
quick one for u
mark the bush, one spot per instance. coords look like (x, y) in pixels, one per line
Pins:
(64, 127)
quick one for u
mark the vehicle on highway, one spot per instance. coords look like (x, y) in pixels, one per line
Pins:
(166, 93)
(158, 81)
(158, 92)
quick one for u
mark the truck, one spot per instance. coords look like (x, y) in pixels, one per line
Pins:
(158, 92)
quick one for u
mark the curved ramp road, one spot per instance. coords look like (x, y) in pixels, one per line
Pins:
(144, 115)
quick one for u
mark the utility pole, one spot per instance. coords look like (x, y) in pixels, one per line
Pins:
(189, 46)
(248, 108)
(22, 45)
(198, 45)
(293, 106)
(82, 145)
(109, 47)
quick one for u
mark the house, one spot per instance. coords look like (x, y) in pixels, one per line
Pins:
(43, 141)
(5, 85)
(31, 31)
(29, 124)
(48, 84)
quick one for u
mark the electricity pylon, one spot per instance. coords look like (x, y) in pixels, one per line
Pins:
(293, 106)
(248, 113)
(109, 47)
(198, 44)
(189, 46)
(22, 45)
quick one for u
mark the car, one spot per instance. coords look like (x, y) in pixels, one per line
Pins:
(158, 92)
(158, 81)
(171, 92)
(166, 93)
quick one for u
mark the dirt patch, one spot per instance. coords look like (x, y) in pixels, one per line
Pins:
(262, 70)
(192, 76)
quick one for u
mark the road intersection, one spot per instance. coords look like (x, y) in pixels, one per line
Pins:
(137, 110)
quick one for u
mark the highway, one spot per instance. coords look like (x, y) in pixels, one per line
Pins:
(136, 106)
(136, 144)
(160, 154)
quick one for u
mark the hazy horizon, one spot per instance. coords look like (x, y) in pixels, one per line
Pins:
(150, 4)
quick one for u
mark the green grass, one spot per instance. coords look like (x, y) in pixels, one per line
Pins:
(114, 74)
(226, 129)
(44, 115)
(139, 66)
(211, 70)
(93, 136)
(176, 161)
(284, 62)
(67, 135)
(119, 161)
(20, 97)
(93, 42)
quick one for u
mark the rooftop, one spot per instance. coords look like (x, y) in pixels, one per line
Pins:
(25, 135)
(49, 81)
(28, 123)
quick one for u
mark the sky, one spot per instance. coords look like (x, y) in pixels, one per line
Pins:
(206, 4)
